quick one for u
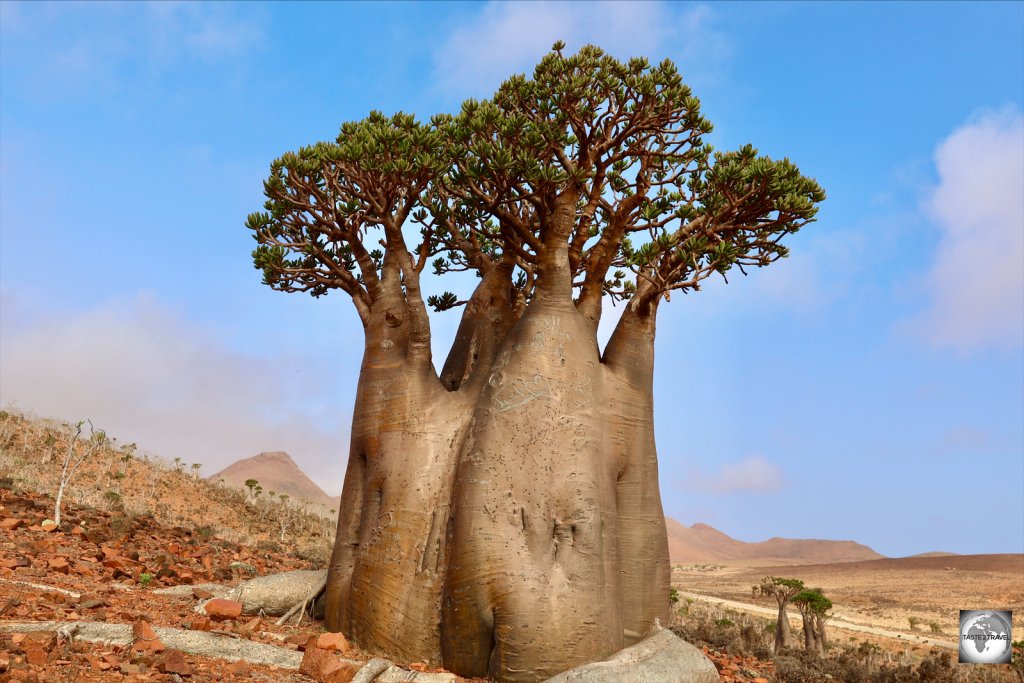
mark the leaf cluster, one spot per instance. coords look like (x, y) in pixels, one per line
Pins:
(651, 206)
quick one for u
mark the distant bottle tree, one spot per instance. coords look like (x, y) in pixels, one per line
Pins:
(503, 515)
(783, 590)
(814, 610)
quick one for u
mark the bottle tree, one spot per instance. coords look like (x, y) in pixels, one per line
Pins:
(502, 516)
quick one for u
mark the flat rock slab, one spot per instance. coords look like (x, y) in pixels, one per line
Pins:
(220, 647)
(661, 657)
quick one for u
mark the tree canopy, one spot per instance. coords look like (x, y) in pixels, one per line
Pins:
(607, 156)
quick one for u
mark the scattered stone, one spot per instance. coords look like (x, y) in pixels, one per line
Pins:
(174, 662)
(318, 663)
(239, 668)
(345, 673)
(200, 624)
(93, 603)
(48, 525)
(11, 523)
(201, 593)
(220, 609)
(144, 638)
(59, 565)
(333, 641)
(35, 653)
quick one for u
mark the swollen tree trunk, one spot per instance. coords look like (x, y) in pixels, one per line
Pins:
(629, 410)
(783, 638)
(503, 517)
(810, 636)
(819, 629)
(387, 569)
(533, 576)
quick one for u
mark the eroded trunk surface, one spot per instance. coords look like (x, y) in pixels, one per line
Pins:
(387, 568)
(642, 537)
(533, 572)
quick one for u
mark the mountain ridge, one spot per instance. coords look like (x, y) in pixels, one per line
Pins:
(699, 543)
(702, 543)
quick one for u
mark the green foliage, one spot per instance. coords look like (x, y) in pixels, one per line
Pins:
(652, 207)
(724, 622)
(145, 578)
(673, 596)
(813, 601)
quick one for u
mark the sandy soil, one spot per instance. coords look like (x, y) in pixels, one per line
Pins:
(880, 596)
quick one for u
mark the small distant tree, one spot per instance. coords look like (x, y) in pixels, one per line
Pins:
(179, 465)
(195, 470)
(814, 608)
(913, 621)
(127, 455)
(251, 484)
(76, 454)
(783, 591)
(285, 515)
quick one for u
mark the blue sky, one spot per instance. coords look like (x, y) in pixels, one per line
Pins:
(867, 388)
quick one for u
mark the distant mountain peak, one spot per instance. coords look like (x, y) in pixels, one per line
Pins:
(276, 471)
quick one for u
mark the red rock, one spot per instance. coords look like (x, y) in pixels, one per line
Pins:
(239, 668)
(9, 564)
(59, 564)
(173, 662)
(333, 641)
(97, 663)
(11, 523)
(201, 594)
(49, 525)
(220, 609)
(90, 602)
(35, 654)
(250, 626)
(78, 531)
(144, 638)
(343, 674)
(318, 663)
(418, 666)
(200, 624)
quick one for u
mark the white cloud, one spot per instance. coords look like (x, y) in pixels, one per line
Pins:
(510, 37)
(976, 281)
(144, 374)
(754, 474)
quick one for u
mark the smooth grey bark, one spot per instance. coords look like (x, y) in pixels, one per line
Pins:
(488, 511)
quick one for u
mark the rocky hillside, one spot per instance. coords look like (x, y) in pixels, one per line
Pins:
(701, 543)
(117, 479)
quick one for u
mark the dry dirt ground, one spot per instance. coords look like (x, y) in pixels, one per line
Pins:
(879, 597)
(92, 571)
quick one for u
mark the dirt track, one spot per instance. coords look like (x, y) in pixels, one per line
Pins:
(835, 622)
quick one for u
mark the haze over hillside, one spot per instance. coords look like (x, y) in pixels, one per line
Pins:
(276, 471)
(701, 543)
